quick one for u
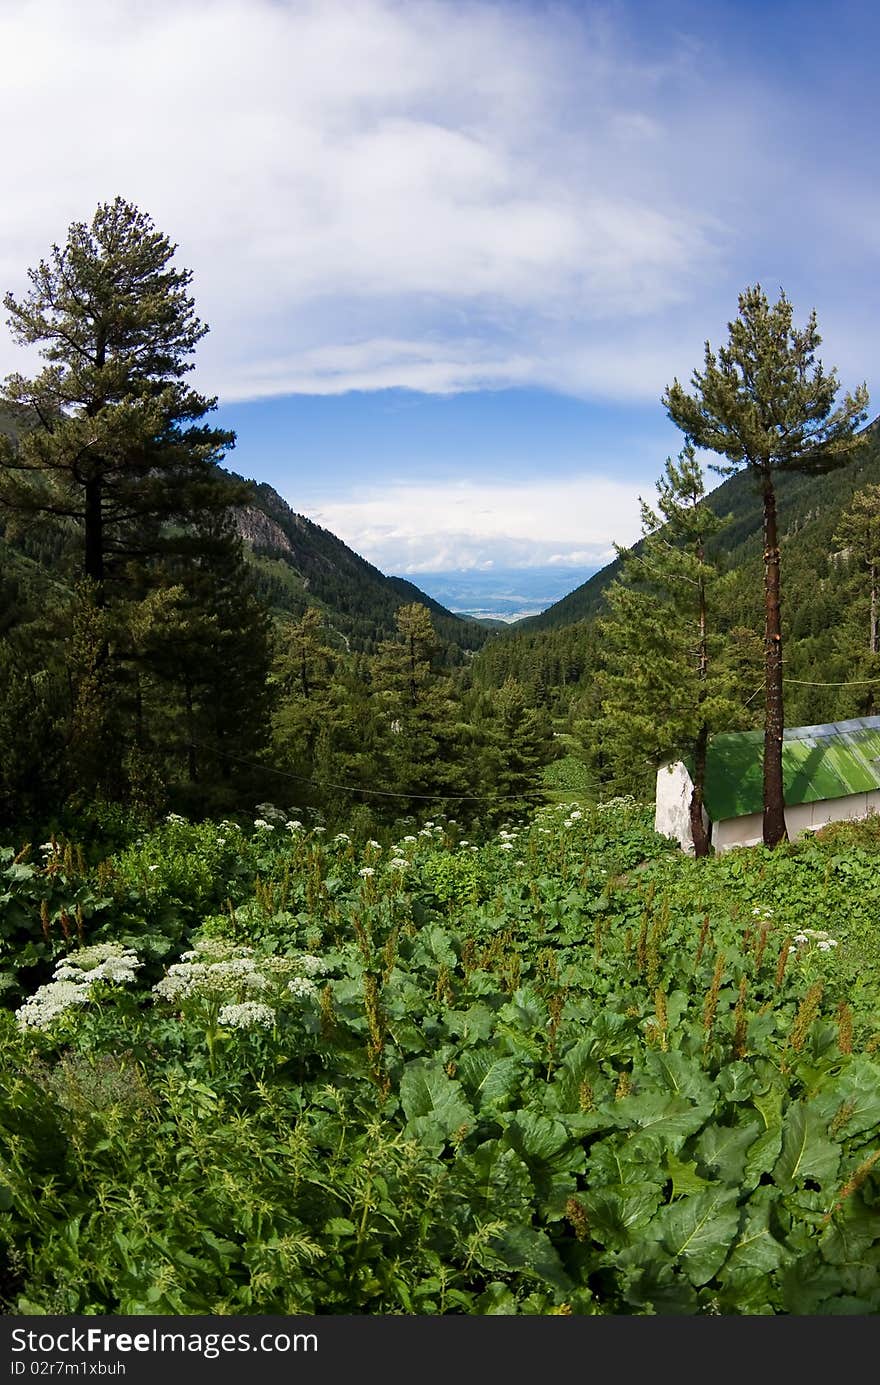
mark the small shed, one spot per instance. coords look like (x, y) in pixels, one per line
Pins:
(830, 773)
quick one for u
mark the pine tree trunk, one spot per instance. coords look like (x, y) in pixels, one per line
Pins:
(698, 828)
(192, 762)
(774, 721)
(873, 642)
(94, 532)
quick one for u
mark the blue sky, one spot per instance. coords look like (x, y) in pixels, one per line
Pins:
(452, 252)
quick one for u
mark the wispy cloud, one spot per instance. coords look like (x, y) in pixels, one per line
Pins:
(412, 528)
(433, 194)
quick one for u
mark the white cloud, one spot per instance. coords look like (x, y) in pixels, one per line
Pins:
(432, 194)
(437, 194)
(410, 528)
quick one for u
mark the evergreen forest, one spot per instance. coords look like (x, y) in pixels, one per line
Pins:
(341, 967)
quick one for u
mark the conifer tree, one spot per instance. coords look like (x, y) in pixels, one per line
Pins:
(665, 684)
(858, 531)
(422, 732)
(108, 433)
(514, 742)
(765, 403)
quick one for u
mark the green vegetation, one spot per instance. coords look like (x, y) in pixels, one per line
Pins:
(415, 1044)
(568, 1070)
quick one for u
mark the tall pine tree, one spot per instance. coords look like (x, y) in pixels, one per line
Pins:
(665, 682)
(765, 403)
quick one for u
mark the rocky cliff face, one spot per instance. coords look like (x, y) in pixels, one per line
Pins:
(258, 529)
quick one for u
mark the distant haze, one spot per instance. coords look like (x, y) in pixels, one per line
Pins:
(507, 594)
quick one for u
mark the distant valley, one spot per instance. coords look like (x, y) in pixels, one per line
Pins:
(505, 594)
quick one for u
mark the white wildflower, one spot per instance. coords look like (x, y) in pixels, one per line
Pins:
(374, 846)
(319, 829)
(263, 825)
(248, 1015)
(312, 966)
(398, 863)
(294, 825)
(50, 1001)
(300, 987)
(507, 846)
(174, 817)
(102, 962)
(365, 872)
(342, 837)
(410, 839)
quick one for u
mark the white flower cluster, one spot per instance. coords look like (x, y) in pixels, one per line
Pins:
(248, 1015)
(101, 962)
(823, 941)
(365, 872)
(263, 825)
(398, 863)
(343, 838)
(194, 980)
(309, 965)
(301, 987)
(222, 973)
(75, 978)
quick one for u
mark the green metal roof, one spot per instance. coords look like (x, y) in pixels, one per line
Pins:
(818, 762)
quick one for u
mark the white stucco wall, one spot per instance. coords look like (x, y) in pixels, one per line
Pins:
(672, 810)
(802, 817)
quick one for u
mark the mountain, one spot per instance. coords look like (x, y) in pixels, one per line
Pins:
(299, 564)
(808, 506)
(295, 564)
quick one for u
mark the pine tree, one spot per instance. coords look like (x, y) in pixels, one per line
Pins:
(422, 732)
(513, 744)
(765, 403)
(665, 684)
(108, 433)
(202, 658)
(858, 530)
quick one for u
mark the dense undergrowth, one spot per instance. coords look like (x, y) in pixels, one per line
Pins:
(566, 1070)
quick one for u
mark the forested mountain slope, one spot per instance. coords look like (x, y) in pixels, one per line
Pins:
(808, 506)
(299, 564)
(824, 601)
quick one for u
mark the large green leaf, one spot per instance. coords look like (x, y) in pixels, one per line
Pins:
(685, 1179)
(722, 1149)
(851, 1233)
(471, 1025)
(806, 1150)
(433, 1103)
(542, 1142)
(618, 1214)
(433, 948)
(668, 1119)
(530, 1250)
(808, 1286)
(488, 1079)
(495, 1180)
(681, 1075)
(698, 1232)
(756, 1250)
(851, 1100)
